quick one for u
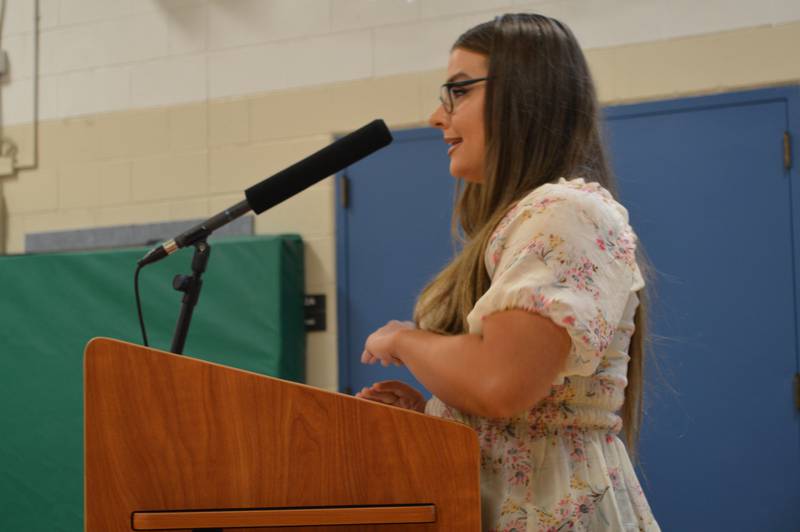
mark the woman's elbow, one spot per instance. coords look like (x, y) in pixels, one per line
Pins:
(507, 401)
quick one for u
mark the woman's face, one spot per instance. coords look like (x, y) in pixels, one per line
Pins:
(463, 128)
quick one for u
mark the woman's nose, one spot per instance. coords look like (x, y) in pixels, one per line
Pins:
(438, 117)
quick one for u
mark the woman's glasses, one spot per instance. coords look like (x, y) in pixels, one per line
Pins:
(451, 91)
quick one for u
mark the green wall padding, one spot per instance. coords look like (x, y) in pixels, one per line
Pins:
(250, 316)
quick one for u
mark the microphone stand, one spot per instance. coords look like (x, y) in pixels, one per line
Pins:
(190, 285)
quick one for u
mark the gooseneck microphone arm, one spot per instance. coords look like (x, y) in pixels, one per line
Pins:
(197, 233)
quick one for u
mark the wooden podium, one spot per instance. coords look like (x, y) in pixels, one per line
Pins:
(176, 443)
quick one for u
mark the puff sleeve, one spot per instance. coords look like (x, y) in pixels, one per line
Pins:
(567, 252)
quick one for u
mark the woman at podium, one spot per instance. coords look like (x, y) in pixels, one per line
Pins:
(534, 334)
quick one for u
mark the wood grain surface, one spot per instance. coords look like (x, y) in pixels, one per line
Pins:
(169, 433)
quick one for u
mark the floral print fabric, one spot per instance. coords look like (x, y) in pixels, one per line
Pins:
(567, 252)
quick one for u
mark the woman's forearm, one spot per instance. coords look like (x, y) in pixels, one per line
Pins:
(453, 368)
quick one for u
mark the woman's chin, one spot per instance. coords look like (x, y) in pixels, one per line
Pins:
(465, 176)
(459, 172)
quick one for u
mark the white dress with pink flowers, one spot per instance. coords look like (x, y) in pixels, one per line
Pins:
(567, 252)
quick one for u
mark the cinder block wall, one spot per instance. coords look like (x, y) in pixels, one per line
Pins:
(162, 110)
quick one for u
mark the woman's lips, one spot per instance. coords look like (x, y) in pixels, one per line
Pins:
(453, 147)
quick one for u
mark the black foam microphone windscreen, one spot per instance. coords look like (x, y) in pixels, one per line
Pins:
(327, 161)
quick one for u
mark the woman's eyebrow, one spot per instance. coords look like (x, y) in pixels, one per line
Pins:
(457, 75)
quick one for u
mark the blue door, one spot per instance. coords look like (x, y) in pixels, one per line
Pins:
(705, 183)
(711, 200)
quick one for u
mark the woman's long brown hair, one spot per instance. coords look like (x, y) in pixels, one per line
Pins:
(541, 122)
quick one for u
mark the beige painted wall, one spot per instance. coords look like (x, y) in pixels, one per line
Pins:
(135, 166)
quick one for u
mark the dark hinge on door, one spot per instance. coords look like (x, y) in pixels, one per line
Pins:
(797, 391)
(344, 191)
(787, 151)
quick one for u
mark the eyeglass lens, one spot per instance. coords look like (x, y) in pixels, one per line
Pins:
(446, 97)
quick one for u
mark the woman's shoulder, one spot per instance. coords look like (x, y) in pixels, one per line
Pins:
(581, 218)
(571, 194)
(565, 200)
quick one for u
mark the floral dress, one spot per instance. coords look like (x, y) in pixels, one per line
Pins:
(567, 252)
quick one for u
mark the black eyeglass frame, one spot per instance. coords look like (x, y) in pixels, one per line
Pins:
(449, 104)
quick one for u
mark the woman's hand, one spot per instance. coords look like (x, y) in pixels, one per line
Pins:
(380, 344)
(394, 393)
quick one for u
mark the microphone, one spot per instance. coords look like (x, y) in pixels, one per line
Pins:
(285, 184)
